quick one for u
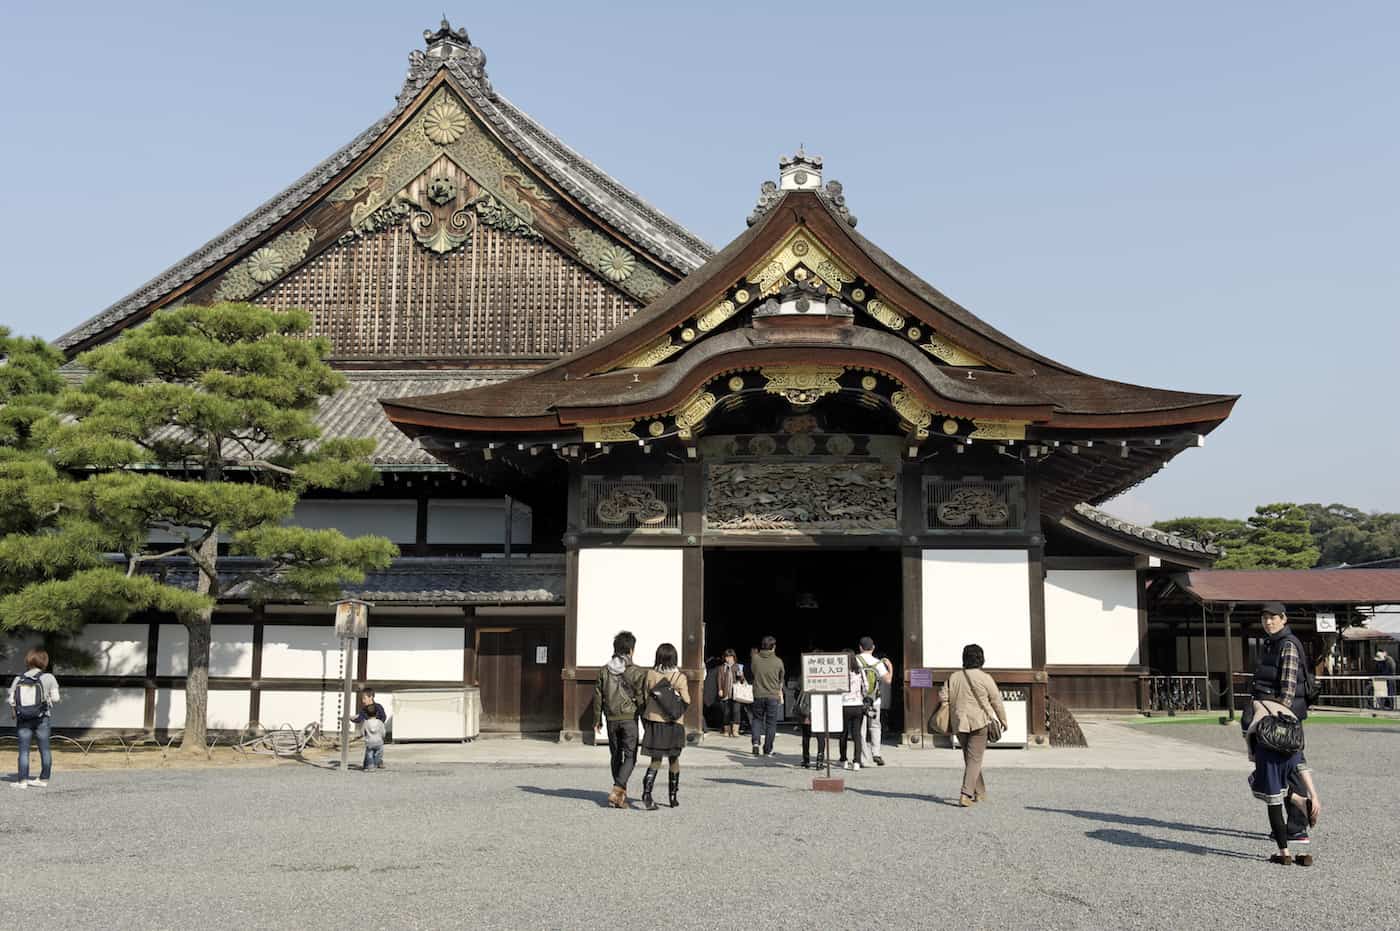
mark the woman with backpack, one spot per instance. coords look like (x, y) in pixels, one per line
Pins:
(663, 735)
(32, 697)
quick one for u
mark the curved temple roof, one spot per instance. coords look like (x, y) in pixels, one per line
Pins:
(451, 52)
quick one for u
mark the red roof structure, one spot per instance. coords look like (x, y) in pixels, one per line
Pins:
(1294, 586)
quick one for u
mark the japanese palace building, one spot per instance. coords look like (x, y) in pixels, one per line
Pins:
(588, 419)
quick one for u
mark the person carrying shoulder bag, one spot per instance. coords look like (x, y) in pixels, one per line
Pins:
(976, 715)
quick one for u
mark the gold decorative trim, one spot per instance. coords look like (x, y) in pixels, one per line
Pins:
(799, 247)
(868, 382)
(715, 316)
(913, 413)
(885, 313)
(736, 384)
(650, 356)
(948, 352)
(656, 428)
(999, 429)
(802, 385)
(692, 412)
(609, 432)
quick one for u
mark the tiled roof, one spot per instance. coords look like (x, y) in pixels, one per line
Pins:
(422, 580)
(1296, 586)
(595, 190)
(1159, 537)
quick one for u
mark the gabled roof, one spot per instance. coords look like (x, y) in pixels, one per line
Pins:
(1092, 523)
(449, 56)
(615, 378)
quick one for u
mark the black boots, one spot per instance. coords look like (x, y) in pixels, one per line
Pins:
(648, 783)
(675, 787)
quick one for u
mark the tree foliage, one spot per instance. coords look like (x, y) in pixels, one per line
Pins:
(1274, 537)
(198, 426)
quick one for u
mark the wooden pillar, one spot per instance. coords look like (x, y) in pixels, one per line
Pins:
(152, 651)
(255, 686)
(1037, 731)
(1144, 652)
(912, 524)
(693, 597)
(575, 698)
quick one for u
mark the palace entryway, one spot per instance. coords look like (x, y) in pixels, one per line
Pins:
(809, 599)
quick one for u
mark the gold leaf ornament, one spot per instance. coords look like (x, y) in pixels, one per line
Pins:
(266, 265)
(616, 263)
(444, 123)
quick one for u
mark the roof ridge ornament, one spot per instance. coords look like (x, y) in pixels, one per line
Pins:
(801, 172)
(444, 45)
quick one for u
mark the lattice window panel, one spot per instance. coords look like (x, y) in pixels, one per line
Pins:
(628, 504)
(982, 505)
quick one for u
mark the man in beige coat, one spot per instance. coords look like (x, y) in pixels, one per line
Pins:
(975, 701)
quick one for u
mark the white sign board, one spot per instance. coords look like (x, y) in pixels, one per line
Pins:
(1326, 623)
(826, 714)
(825, 673)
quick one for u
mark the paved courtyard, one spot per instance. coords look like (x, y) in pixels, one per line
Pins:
(431, 843)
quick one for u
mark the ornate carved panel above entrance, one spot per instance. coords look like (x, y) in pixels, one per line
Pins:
(799, 249)
(805, 385)
(802, 497)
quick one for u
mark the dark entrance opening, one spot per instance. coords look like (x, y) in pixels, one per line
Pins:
(810, 600)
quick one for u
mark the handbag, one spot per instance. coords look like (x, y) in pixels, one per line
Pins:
(742, 692)
(993, 722)
(668, 700)
(1280, 733)
(943, 717)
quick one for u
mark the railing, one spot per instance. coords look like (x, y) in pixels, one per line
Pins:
(1178, 693)
(1364, 693)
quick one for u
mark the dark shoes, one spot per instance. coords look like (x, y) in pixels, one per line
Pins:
(879, 761)
(648, 783)
(675, 786)
(1303, 859)
(1282, 859)
(755, 750)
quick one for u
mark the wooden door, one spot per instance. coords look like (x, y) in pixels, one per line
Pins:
(519, 671)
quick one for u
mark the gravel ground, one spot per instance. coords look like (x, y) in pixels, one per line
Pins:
(432, 846)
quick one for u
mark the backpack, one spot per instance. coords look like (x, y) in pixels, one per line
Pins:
(668, 700)
(872, 677)
(30, 699)
(373, 733)
(1312, 691)
(617, 696)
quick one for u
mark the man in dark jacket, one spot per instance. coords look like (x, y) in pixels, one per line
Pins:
(618, 695)
(768, 676)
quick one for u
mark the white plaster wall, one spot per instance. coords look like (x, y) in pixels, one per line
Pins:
(476, 521)
(396, 519)
(230, 650)
(415, 653)
(227, 710)
(292, 652)
(116, 649)
(977, 596)
(299, 709)
(1091, 617)
(97, 706)
(622, 588)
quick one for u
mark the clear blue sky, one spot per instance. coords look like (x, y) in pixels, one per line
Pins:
(1191, 195)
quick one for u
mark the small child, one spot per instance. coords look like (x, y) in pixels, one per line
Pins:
(372, 718)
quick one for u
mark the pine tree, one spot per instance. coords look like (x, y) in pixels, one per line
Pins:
(54, 572)
(199, 425)
(1277, 537)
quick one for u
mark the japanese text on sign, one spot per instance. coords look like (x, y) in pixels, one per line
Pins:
(824, 672)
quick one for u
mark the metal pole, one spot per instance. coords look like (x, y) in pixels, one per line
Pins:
(1205, 648)
(348, 653)
(1229, 663)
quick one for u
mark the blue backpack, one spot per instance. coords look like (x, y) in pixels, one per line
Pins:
(31, 701)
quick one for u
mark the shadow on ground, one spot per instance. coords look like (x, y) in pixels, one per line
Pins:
(580, 795)
(1108, 817)
(1143, 842)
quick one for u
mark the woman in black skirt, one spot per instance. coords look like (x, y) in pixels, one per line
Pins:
(663, 734)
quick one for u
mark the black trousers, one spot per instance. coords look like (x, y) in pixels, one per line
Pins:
(622, 750)
(807, 743)
(733, 712)
(853, 717)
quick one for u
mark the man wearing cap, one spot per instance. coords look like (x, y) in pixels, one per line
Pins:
(1279, 690)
